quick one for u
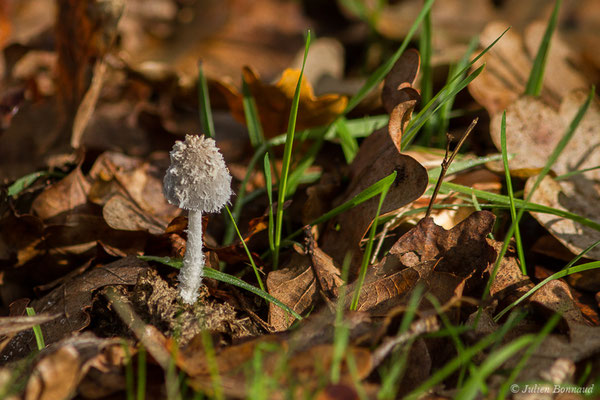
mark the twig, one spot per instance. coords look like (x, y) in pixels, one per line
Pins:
(446, 162)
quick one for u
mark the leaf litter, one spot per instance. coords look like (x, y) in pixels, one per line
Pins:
(95, 118)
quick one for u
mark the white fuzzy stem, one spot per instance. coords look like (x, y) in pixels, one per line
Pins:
(190, 276)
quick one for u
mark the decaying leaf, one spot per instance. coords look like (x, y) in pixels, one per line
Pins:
(462, 251)
(295, 286)
(273, 102)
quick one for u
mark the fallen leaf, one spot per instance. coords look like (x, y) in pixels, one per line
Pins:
(273, 102)
(295, 286)
(461, 251)
(67, 196)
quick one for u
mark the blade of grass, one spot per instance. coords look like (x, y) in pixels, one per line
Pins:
(446, 109)
(368, 250)
(255, 132)
(348, 142)
(426, 48)
(287, 154)
(341, 334)
(269, 185)
(223, 277)
(499, 200)
(129, 385)
(548, 327)
(250, 258)
(553, 157)
(536, 76)
(472, 386)
(141, 377)
(376, 77)
(37, 330)
(448, 369)
(206, 119)
(296, 176)
(511, 196)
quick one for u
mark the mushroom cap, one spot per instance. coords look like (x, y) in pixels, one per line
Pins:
(197, 178)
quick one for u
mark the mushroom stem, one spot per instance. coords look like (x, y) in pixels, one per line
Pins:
(190, 276)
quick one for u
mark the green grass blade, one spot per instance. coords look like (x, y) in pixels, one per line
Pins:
(368, 250)
(269, 186)
(223, 277)
(255, 131)
(206, 119)
(250, 258)
(341, 333)
(379, 74)
(287, 155)
(37, 330)
(536, 76)
(498, 200)
(511, 196)
(539, 338)
(348, 142)
(142, 374)
(426, 49)
(450, 367)
(446, 109)
(472, 386)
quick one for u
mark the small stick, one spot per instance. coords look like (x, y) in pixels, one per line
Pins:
(446, 163)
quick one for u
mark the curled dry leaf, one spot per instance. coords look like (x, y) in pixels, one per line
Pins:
(532, 131)
(379, 156)
(274, 101)
(509, 63)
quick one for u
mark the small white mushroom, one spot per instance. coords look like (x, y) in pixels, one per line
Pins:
(198, 181)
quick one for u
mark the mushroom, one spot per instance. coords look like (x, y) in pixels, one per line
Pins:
(198, 181)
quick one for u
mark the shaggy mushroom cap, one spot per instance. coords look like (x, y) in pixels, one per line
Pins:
(197, 178)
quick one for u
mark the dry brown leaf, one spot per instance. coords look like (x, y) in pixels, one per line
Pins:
(462, 251)
(273, 102)
(295, 286)
(66, 196)
(384, 291)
